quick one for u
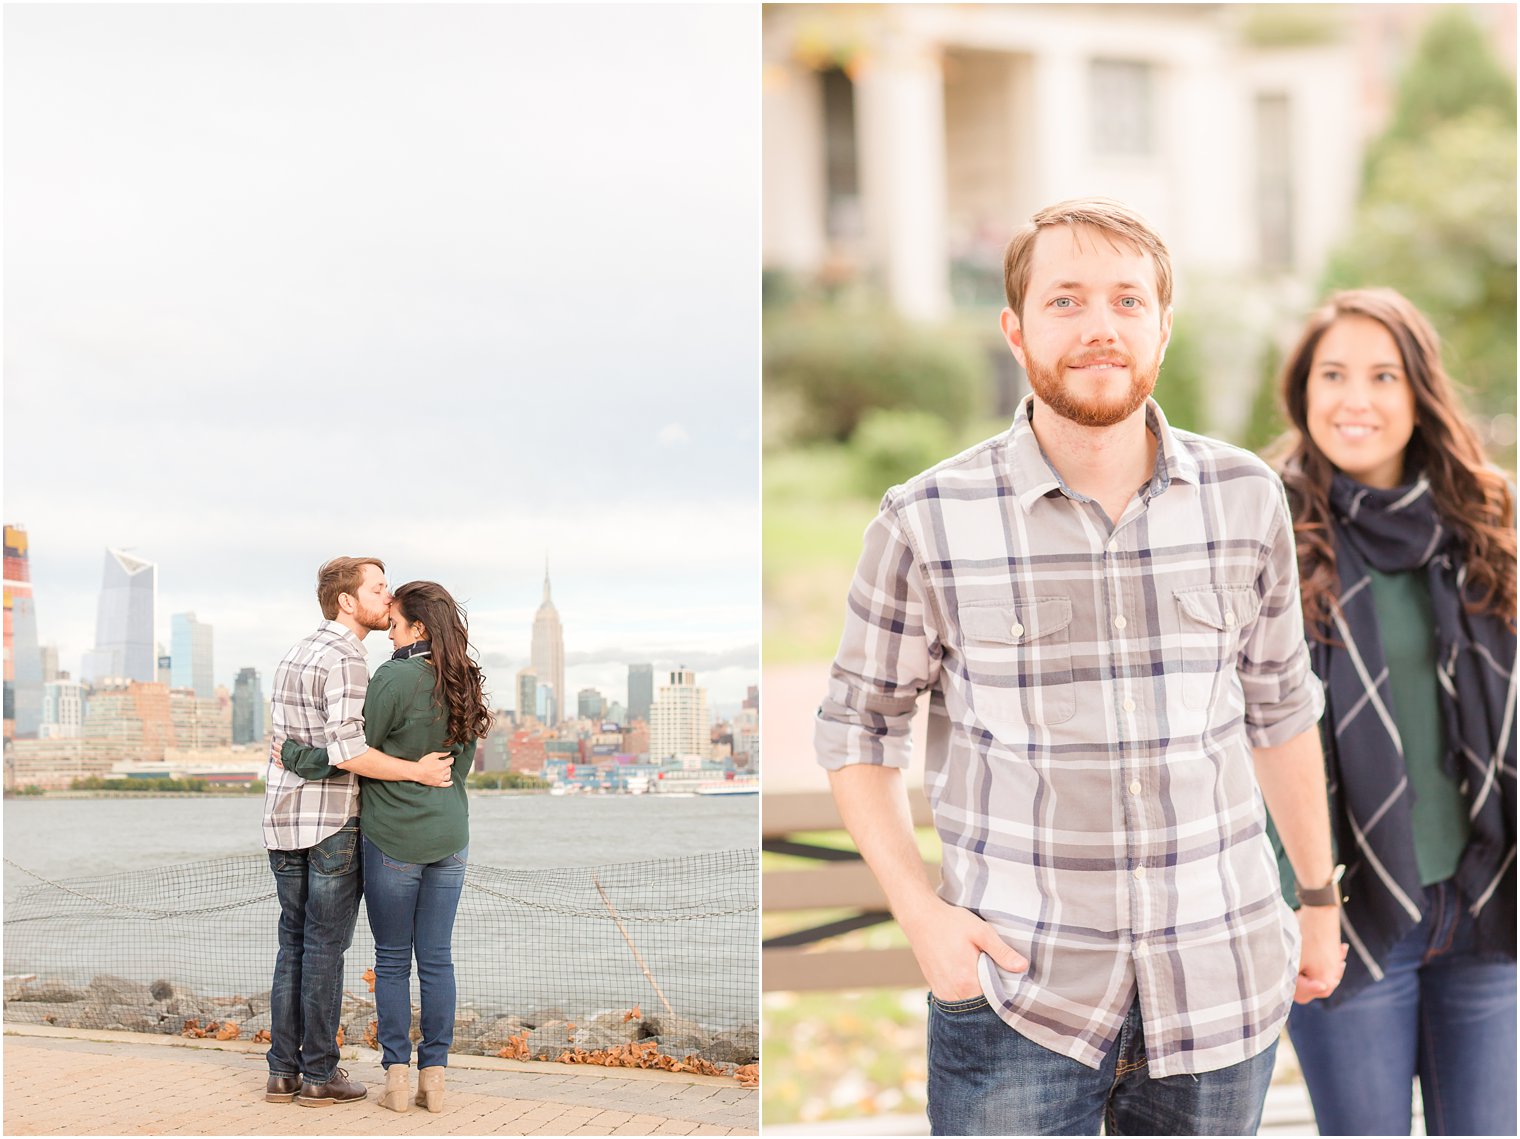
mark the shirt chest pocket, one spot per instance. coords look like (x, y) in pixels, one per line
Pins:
(1018, 664)
(1210, 623)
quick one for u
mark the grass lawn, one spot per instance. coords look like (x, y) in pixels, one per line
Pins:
(842, 1055)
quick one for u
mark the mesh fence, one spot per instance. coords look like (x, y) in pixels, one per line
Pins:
(563, 955)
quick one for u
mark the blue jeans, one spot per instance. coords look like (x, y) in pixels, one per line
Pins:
(411, 909)
(987, 1079)
(1440, 1013)
(319, 902)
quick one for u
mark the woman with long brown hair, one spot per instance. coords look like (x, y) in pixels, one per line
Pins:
(1406, 548)
(428, 697)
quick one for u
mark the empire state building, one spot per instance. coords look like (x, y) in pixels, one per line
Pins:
(549, 652)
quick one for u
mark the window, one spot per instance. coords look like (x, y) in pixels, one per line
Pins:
(1123, 107)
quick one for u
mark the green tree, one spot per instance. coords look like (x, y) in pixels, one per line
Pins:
(1436, 216)
(1453, 71)
(1179, 387)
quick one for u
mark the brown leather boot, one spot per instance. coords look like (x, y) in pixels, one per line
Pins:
(282, 1089)
(430, 1088)
(338, 1089)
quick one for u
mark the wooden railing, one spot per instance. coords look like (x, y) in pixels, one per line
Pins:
(802, 960)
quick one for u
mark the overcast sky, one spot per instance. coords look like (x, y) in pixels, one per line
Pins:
(463, 287)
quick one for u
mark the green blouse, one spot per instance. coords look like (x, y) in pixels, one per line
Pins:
(1408, 631)
(407, 821)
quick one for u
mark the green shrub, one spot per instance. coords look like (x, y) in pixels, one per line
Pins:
(833, 365)
(891, 445)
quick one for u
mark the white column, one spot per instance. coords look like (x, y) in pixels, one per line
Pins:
(792, 174)
(900, 119)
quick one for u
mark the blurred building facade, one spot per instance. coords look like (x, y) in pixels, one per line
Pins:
(23, 656)
(904, 144)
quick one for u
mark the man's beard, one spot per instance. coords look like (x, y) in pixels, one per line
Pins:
(375, 620)
(1046, 382)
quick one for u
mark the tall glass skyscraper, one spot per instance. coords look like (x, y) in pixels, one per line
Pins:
(190, 655)
(23, 657)
(247, 707)
(124, 645)
(640, 691)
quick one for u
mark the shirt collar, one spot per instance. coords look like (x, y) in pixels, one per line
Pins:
(337, 628)
(1033, 472)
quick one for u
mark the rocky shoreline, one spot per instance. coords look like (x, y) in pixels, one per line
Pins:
(165, 1007)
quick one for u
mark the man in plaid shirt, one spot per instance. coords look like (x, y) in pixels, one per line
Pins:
(1105, 613)
(311, 829)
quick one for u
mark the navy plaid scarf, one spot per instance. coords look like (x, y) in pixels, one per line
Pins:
(1396, 531)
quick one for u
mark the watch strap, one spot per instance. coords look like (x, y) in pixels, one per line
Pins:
(1327, 895)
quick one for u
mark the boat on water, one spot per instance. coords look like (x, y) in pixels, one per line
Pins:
(730, 787)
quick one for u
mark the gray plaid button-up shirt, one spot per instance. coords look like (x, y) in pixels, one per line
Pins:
(318, 699)
(1095, 691)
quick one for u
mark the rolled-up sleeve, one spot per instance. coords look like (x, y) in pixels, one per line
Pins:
(344, 688)
(1283, 697)
(888, 654)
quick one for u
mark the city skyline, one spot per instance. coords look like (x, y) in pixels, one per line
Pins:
(604, 666)
(268, 305)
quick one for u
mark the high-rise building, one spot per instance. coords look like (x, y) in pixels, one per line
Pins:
(747, 735)
(640, 691)
(527, 694)
(678, 721)
(589, 704)
(63, 704)
(124, 646)
(247, 707)
(135, 717)
(548, 655)
(23, 657)
(50, 664)
(190, 655)
(199, 721)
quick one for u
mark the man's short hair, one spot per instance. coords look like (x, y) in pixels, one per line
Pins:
(341, 575)
(1114, 219)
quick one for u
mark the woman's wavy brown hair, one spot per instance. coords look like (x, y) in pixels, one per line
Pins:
(1471, 497)
(460, 685)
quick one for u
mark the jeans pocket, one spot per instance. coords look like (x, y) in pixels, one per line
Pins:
(338, 853)
(968, 1004)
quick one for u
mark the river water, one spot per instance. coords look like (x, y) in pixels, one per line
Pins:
(530, 933)
(63, 838)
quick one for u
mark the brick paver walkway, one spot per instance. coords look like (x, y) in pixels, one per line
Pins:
(71, 1082)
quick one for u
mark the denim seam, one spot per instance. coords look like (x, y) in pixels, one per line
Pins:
(1430, 1087)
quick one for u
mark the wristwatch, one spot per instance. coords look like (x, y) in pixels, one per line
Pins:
(1327, 895)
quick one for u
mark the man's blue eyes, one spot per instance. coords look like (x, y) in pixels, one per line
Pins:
(1068, 302)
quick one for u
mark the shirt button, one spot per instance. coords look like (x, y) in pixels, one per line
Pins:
(1120, 622)
(1134, 788)
(1113, 546)
(1016, 629)
(1129, 705)
(1229, 617)
(1139, 872)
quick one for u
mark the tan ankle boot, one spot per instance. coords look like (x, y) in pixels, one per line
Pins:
(397, 1087)
(430, 1088)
